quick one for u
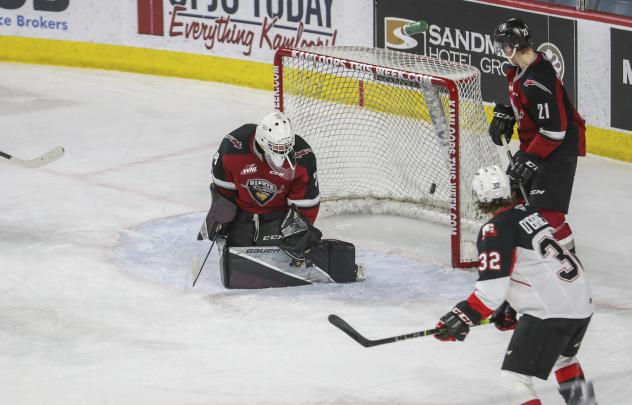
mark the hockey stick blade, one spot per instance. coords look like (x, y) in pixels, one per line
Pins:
(39, 161)
(339, 323)
(355, 335)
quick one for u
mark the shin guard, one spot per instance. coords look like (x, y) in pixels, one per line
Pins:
(569, 376)
(519, 388)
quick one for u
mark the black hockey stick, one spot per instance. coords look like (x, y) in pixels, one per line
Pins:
(355, 335)
(524, 194)
(39, 161)
(199, 271)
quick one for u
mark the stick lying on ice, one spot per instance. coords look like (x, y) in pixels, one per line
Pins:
(39, 161)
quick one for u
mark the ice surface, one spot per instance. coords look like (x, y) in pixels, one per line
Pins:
(96, 249)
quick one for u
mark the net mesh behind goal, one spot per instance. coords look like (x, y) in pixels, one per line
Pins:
(392, 132)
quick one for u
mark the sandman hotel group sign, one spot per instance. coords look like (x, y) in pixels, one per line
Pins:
(461, 31)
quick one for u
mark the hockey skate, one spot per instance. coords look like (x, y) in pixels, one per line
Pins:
(582, 393)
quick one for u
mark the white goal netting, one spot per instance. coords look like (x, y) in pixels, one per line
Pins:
(383, 125)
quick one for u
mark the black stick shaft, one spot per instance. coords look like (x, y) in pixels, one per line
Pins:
(355, 335)
(207, 254)
(524, 194)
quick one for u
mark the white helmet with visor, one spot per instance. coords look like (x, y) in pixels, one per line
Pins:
(275, 137)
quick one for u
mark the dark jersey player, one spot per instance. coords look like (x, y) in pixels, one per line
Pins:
(265, 193)
(265, 169)
(551, 131)
(523, 267)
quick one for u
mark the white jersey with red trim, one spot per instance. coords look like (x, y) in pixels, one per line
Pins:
(523, 264)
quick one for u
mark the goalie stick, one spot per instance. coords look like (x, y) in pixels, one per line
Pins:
(196, 269)
(39, 161)
(355, 335)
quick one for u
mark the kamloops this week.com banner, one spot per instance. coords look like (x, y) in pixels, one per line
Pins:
(461, 31)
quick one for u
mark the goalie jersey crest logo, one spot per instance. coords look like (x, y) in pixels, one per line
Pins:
(261, 190)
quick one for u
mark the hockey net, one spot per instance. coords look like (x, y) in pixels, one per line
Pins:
(393, 133)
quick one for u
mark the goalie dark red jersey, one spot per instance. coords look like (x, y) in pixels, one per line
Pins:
(241, 172)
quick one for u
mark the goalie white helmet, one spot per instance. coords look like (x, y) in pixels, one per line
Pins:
(274, 135)
(490, 184)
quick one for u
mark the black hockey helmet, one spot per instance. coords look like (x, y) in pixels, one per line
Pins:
(513, 34)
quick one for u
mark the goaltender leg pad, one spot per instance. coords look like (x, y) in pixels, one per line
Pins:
(337, 258)
(253, 267)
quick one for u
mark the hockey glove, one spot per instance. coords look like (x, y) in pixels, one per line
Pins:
(457, 322)
(298, 233)
(502, 123)
(522, 167)
(505, 317)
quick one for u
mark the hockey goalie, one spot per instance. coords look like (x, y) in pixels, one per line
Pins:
(265, 200)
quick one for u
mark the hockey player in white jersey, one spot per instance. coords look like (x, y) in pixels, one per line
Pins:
(524, 269)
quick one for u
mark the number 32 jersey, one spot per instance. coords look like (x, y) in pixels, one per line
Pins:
(523, 264)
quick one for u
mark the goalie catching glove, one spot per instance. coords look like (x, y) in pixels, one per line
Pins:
(456, 324)
(502, 124)
(298, 233)
(523, 167)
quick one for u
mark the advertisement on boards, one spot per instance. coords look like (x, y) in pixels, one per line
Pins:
(73, 20)
(31, 16)
(251, 29)
(621, 79)
(461, 31)
(240, 29)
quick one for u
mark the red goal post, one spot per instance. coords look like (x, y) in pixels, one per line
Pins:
(354, 104)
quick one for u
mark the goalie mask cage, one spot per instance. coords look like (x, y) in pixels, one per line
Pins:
(393, 133)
